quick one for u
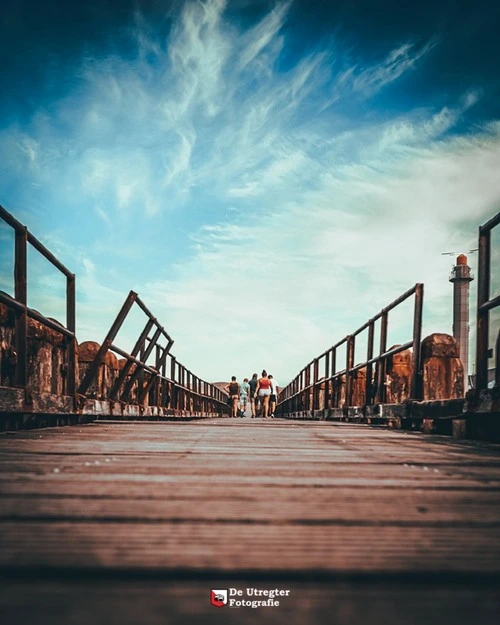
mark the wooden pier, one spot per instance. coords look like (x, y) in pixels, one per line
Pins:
(136, 522)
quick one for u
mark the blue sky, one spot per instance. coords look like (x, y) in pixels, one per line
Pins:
(266, 175)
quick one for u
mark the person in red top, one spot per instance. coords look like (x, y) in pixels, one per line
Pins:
(263, 391)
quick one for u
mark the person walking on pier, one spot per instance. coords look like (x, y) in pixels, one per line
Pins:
(253, 394)
(264, 392)
(244, 391)
(234, 395)
(274, 396)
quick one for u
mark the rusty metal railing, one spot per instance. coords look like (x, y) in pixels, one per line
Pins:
(19, 304)
(163, 384)
(181, 391)
(303, 394)
(484, 306)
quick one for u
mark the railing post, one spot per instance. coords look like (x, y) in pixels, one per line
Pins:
(327, 380)
(315, 394)
(382, 364)
(138, 375)
(307, 393)
(173, 398)
(299, 391)
(182, 378)
(369, 366)
(349, 364)
(71, 325)
(416, 381)
(497, 361)
(154, 381)
(180, 392)
(21, 295)
(483, 295)
(335, 397)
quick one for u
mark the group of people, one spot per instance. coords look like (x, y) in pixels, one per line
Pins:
(261, 393)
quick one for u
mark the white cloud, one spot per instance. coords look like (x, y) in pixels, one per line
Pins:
(366, 81)
(278, 290)
(263, 34)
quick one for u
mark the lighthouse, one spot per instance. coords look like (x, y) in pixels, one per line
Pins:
(461, 277)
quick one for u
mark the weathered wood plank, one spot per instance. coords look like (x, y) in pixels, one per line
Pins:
(280, 547)
(280, 505)
(236, 498)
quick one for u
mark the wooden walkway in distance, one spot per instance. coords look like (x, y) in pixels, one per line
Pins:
(136, 522)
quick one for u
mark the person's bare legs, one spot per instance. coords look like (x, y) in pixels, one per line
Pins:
(265, 405)
(234, 409)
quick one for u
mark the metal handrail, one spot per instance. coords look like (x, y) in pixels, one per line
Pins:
(298, 392)
(19, 303)
(485, 305)
(182, 382)
(181, 379)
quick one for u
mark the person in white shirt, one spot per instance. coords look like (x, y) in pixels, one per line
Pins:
(244, 392)
(274, 396)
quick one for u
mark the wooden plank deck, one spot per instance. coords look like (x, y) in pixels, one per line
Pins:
(136, 522)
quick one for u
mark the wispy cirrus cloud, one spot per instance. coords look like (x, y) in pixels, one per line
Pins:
(366, 81)
(400, 60)
(142, 131)
(263, 35)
